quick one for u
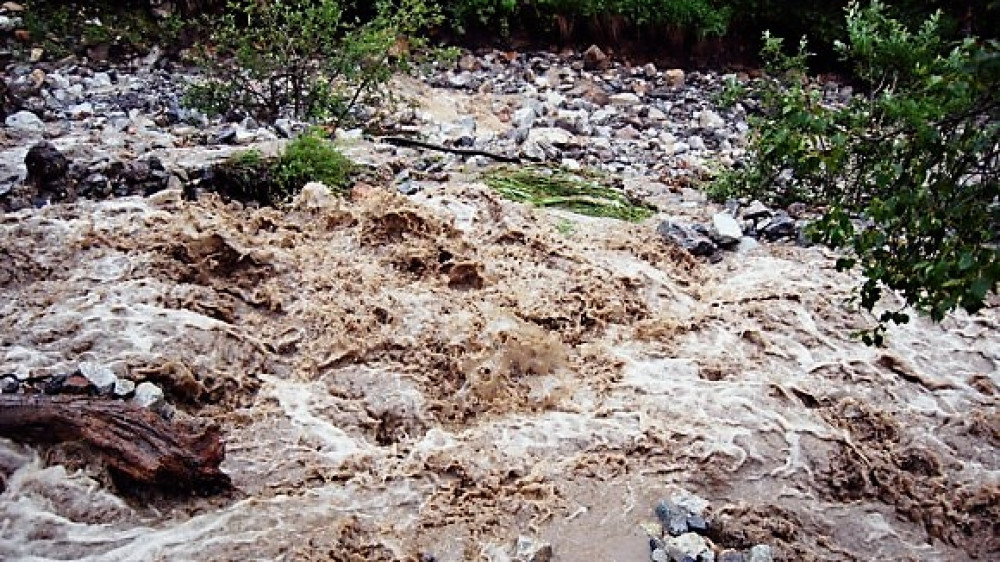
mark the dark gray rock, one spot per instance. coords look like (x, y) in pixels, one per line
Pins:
(695, 242)
(672, 518)
(697, 524)
(9, 385)
(780, 226)
(226, 135)
(797, 210)
(756, 211)
(48, 173)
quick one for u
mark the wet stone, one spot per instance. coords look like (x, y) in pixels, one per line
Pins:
(760, 553)
(730, 556)
(148, 395)
(726, 230)
(688, 546)
(123, 388)
(531, 550)
(780, 226)
(9, 385)
(68, 384)
(101, 377)
(46, 165)
(695, 243)
(672, 518)
(757, 210)
(659, 555)
(697, 524)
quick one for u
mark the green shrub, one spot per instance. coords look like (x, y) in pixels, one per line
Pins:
(250, 177)
(305, 58)
(310, 157)
(909, 171)
(707, 17)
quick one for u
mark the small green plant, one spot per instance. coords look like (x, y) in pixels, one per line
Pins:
(543, 186)
(311, 157)
(908, 173)
(733, 91)
(306, 58)
(249, 176)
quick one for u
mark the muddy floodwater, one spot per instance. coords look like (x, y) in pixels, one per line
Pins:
(437, 375)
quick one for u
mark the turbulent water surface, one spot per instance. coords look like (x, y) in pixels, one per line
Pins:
(439, 375)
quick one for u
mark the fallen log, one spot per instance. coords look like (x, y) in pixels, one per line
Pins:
(137, 445)
(416, 143)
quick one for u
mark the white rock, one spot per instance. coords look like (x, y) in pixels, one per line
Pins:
(314, 195)
(524, 117)
(656, 115)
(659, 555)
(553, 136)
(148, 395)
(686, 545)
(696, 142)
(709, 119)
(571, 165)
(554, 100)
(625, 99)
(760, 553)
(100, 376)
(244, 136)
(726, 230)
(99, 80)
(8, 24)
(124, 387)
(24, 124)
(530, 550)
(349, 135)
(81, 111)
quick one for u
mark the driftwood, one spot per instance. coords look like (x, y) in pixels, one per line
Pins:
(138, 446)
(403, 141)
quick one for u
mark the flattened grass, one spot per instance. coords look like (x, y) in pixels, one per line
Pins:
(584, 193)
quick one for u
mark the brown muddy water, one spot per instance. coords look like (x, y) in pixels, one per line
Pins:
(440, 375)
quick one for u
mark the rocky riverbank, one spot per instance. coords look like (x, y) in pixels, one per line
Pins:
(424, 370)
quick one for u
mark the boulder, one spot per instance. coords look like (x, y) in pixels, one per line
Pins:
(24, 124)
(595, 59)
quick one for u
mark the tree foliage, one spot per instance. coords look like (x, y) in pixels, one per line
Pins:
(305, 58)
(908, 171)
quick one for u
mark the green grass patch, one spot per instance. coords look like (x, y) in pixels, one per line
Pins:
(584, 193)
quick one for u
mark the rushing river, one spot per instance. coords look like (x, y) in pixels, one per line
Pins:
(439, 375)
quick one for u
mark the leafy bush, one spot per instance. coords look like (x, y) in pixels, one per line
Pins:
(909, 172)
(310, 157)
(707, 17)
(249, 177)
(305, 58)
